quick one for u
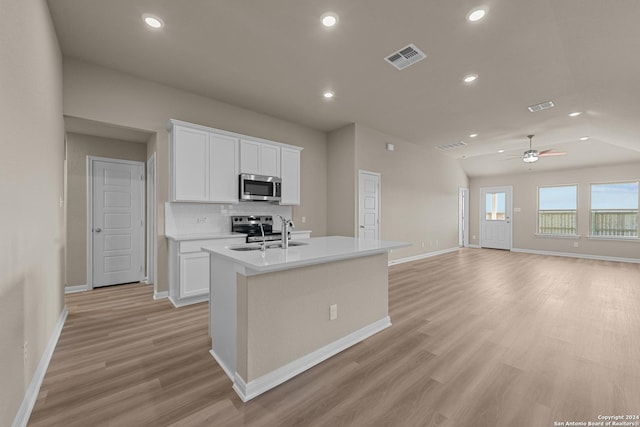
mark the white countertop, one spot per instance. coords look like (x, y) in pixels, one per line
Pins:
(218, 235)
(317, 251)
(204, 236)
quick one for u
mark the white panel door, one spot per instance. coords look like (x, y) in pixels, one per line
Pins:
(117, 224)
(224, 169)
(495, 217)
(369, 205)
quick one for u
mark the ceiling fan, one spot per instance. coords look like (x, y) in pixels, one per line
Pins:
(532, 155)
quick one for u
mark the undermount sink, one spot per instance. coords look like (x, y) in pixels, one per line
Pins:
(253, 247)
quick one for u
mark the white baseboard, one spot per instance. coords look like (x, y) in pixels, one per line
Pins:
(474, 246)
(31, 395)
(574, 255)
(77, 288)
(160, 295)
(188, 301)
(248, 391)
(422, 256)
(224, 367)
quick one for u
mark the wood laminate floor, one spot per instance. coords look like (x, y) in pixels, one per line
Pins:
(479, 338)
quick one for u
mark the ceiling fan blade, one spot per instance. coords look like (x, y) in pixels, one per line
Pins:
(551, 152)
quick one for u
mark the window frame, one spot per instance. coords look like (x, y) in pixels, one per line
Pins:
(613, 237)
(575, 211)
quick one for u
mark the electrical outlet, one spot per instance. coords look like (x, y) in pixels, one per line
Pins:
(423, 245)
(303, 219)
(576, 244)
(25, 351)
(333, 311)
(436, 243)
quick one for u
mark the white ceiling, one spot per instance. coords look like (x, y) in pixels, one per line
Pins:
(274, 57)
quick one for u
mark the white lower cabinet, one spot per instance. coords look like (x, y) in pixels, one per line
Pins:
(189, 271)
(194, 274)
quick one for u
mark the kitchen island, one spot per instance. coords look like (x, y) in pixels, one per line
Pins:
(277, 313)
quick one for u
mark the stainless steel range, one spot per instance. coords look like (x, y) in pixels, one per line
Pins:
(250, 225)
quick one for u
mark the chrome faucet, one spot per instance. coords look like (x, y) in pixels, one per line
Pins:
(263, 246)
(285, 233)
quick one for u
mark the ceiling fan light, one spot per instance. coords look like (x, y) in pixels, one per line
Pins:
(530, 157)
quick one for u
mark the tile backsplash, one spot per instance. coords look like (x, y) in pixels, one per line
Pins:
(194, 218)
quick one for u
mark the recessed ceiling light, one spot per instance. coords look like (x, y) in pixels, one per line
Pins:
(473, 135)
(328, 94)
(584, 138)
(476, 14)
(329, 19)
(575, 114)
(500, 151)
(153, 21)
(470, 78)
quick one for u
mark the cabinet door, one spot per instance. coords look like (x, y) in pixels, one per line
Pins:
(290, 169)
(269, 160)
(194, 274)
(223, 172)
(250, 157)
(190, 164)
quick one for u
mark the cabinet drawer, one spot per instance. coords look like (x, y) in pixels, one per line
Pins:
(196, 245)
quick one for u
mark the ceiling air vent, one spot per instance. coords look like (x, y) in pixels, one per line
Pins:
(406, 56)
(542, 106)
(451, 146)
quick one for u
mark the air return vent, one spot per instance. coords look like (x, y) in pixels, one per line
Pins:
(406, 56)
(542, 106)
(451, 146)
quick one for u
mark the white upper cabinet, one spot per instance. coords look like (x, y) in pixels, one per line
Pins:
(190, 164)
(205, 164)
(223, 169)
(290, 170)
(250, 157)
(258, 158)
(270, 160)
(204, 167)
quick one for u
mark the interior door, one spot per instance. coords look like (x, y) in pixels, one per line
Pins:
(369, 205)
(495, 217)
(117, 226)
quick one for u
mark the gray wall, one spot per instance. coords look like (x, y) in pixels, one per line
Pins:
(78, 148)
(419, 192)
(341, 182)
(31, 186)
(525, 187)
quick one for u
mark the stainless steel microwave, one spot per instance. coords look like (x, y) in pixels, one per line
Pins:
(260, 188)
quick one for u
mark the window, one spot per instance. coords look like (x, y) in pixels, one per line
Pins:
(557, 210)
(614, 209)
(495, 207)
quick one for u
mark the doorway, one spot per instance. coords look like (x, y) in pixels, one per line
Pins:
(151, 219)
(368, 205)
(495, 217)
(463, 217)
(115, 221)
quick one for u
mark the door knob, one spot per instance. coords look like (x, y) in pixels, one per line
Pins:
(97, 230)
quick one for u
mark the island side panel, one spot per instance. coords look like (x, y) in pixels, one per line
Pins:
(222, 314)
(287, 312)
